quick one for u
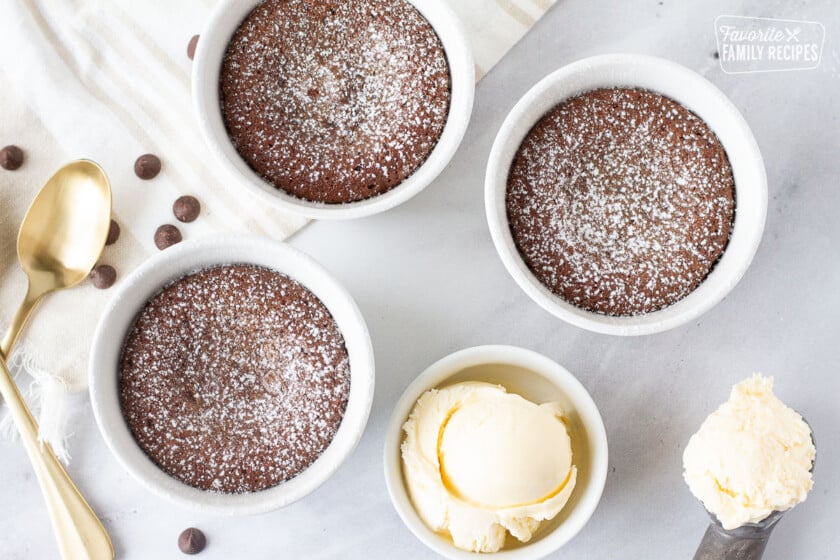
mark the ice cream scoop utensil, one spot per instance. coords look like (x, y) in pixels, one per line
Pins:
(744, 543)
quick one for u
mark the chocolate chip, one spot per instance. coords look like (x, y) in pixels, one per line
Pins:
(103, 276)
(11, 157)
(147, 166)
(191, 47)
(192, 541)
(113, 233)
(166, 236)
(186, 208)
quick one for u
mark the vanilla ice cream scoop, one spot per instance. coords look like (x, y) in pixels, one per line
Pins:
(751, 461)
(502, 451)
(751, 457)
(480, 462)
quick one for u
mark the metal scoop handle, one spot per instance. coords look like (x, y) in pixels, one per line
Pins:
(743, 543)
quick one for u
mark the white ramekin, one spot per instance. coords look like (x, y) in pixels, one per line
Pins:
(538, 379)
(223, 21)
(689, 89)
(174, 263)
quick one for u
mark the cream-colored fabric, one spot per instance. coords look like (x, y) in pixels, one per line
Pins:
(109, 80)
(494, 26)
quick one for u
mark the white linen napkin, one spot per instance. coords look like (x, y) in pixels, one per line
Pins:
(109, 80)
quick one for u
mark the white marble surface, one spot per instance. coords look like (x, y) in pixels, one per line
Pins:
(429, 282)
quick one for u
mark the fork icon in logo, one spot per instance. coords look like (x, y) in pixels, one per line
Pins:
(793, 34)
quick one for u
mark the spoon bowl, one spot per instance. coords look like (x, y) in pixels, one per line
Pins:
(62, 235)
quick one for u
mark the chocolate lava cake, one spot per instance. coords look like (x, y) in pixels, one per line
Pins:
(234, 379)
(334, 101)
(621, 201)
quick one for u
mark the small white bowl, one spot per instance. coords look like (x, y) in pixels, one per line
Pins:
(183, 259)
(223, 22)
(534, 377)
(689, 89)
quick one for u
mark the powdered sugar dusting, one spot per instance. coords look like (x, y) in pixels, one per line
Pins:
(335, 101)
(621, 201)
(234, 379)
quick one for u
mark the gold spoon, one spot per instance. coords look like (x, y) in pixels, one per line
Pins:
(60, 240)
(62, 235)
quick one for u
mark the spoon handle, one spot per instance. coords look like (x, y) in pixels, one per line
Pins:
(741, 544)
(29, 302)
(80, 534)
